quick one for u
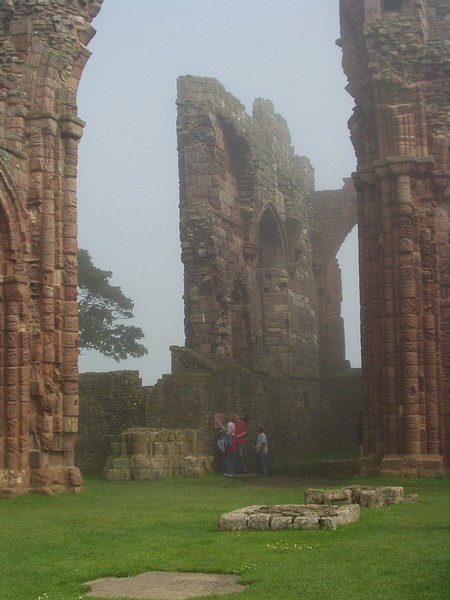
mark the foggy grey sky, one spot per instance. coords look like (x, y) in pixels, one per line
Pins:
(282, 50)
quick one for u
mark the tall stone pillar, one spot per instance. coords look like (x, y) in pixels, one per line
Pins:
(43, 52)
(396, 56)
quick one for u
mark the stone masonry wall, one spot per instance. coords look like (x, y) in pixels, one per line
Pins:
(301, 420)
(397, 60)
(42, 55)
(148, 454)
(252, 235)
(109, 404)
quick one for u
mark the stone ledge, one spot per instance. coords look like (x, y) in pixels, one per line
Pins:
(289, 516)
(366, 496)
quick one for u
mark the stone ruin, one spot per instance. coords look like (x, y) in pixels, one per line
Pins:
(259, 245)
(150, 454)
(366, 496)
(289, 516)
(396, 55)
(262, 286)
(42, 55)
(323, 509)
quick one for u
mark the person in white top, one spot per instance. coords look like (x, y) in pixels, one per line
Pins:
(262, 448)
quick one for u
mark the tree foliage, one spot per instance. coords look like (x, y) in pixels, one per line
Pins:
(101, 307)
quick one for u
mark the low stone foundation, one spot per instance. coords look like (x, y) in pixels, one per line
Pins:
(323, 509)
(149, 454)
(431, 465)
(366, 496)
(289, 516)
(46, 480)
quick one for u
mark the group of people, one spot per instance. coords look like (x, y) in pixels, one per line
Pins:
(234, 440)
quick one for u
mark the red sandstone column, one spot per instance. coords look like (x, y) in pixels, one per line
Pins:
(389, 329)
(408, 319)
(397, 76)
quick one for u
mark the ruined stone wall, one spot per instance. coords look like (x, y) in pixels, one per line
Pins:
(262, 285)
(302, 420)
(240, 216)
(190, 398)
(42, 54)
(109, 404)
(397, 59)
(147, 454)
(257, 246)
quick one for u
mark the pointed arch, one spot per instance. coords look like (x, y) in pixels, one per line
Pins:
(274, 283)
(271, 238)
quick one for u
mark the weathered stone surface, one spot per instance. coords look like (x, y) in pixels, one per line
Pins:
(396, 57)
(343, 495)
(151, 454)
(42, 55)
(292, 516)
(199, 388)
(164, 585)
(256, 272)
(366, 496)
(377, 496)
(262, 285)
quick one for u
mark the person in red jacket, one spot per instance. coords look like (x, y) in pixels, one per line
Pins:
(241, 432)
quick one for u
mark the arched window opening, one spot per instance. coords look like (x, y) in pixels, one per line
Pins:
(271, 252)
(273, 286)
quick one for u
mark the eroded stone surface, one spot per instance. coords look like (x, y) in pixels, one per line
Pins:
(289, 516)
(396, 55)
(42, 55)
(366, 496)
(256, 269)
(149, 454)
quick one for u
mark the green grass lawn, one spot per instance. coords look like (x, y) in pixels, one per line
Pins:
(51, 545)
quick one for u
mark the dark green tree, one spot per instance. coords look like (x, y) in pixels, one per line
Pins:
(101, 307)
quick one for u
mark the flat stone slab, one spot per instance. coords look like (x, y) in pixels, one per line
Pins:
(160, 585)
(289, 516)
